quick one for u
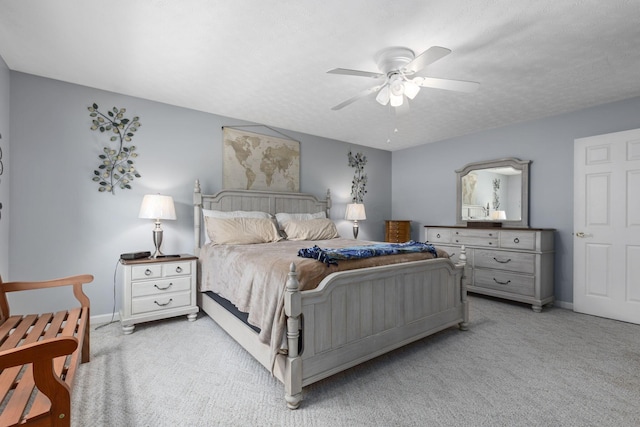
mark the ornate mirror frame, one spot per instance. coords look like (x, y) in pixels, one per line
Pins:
(517, 164)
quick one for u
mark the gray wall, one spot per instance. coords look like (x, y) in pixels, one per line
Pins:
(424, 189)
(4, 178)
(61, 225)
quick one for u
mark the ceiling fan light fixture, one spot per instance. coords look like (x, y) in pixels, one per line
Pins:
(411, 89)
(383, 95)
(396, 86)
(396, 100)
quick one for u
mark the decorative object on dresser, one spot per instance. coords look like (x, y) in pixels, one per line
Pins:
(397, 231)
(157, 207)
(510, 263)
(355, 212)
(158, 288)
(493, 193)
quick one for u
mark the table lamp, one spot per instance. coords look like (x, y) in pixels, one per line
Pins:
(157, 207)
(355, 212)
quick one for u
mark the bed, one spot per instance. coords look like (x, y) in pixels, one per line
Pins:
(350, 317)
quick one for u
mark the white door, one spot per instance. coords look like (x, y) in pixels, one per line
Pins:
(606, 220)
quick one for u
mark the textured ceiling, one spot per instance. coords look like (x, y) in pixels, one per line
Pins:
(266, 61)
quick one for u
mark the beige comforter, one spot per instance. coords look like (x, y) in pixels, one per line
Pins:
(253, 277)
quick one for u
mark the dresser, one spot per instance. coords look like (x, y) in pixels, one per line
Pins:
(510, 263)
(158, 288)
(397, 231)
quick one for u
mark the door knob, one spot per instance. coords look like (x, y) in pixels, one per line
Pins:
(580, 234)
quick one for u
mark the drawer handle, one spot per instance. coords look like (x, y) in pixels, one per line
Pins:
(148, 272)
(165, 304)
(501, 283)
(178, 269)
(438, 235)
(163, 289)
(501, 262)
(516, 240)
(490, 234)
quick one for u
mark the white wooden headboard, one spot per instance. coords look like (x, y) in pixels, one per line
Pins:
(253, 200)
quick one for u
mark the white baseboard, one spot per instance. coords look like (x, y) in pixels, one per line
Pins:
(104, 318)
(563, 304)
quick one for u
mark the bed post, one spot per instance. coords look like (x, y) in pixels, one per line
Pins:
(328, 212)
(462, 260)
(197, 215)
(293, 310)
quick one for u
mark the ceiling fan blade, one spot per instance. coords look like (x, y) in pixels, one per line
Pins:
(358, 73)
(447, 84)
(427, 57)
(357, 97)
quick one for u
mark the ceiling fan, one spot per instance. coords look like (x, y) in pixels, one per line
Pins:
(400, 67)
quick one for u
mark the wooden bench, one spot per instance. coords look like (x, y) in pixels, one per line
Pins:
(39, 354)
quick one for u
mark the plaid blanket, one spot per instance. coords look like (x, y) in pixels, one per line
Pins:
(332, 256)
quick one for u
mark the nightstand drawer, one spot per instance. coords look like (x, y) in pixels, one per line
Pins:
(176, 269)
(146, 271)
(158, 287)
(160, 302)
(504, 281)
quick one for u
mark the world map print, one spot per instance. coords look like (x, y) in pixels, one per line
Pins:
(253, 161)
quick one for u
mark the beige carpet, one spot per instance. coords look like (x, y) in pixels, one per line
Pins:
(512, 368)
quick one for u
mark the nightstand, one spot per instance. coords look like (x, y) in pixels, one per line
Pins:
(157, 288)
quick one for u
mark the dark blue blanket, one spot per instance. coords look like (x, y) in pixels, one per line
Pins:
(332, 256)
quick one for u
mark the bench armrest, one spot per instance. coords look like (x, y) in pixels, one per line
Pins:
(75, 281)
(41, 355)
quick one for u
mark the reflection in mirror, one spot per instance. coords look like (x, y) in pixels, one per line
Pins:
(492, 194)
(494, 191)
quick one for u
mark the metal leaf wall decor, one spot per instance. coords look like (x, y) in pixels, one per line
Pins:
(359, 178)
(116, 168)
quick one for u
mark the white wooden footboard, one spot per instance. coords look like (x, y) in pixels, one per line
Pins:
(356, 315)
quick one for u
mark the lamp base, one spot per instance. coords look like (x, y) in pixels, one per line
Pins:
(356, 228)
(157, 240)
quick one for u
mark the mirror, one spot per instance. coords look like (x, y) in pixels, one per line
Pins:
(494, 192)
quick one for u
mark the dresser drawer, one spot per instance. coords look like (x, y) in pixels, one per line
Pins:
(475, 237)
(504, 281)
(159, 287)
(146, 271)
(518, 240)
(176, 269)
(505, 260)
(438, 235)
(160, 302)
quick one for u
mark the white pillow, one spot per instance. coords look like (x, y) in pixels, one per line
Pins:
(311, 229)
(230, 214)
(283, 218)
(241, 230)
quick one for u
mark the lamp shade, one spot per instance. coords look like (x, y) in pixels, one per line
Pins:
(355, 212)
(498, 215)
(157, 206)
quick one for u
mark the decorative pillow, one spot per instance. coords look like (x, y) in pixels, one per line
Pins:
(241, 230)
(230, 214)
(283, 218)
(311, 229)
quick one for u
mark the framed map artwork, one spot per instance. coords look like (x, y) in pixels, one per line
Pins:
(253, 161)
